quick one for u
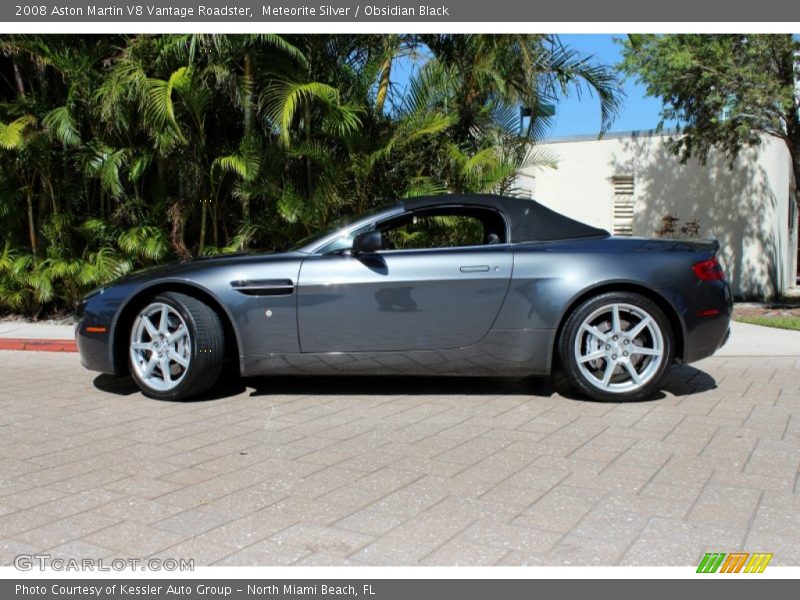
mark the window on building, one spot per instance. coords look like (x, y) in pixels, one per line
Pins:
(622, 201)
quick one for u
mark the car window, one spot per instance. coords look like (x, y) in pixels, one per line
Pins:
(345, 242)
(436, 231)
(432, 228)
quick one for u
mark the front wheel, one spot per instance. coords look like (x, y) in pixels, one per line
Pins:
(616, 347)
(176, 347)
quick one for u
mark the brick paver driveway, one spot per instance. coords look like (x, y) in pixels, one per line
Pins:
(414, 471)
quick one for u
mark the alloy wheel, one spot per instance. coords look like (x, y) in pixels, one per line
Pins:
(619, 348)
(160, 346)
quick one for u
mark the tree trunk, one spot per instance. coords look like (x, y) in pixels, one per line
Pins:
(203, 223)
(795, 152)
(796, 169)
(793, 145)
(55, 206)
(18, 81)
(383, 85)
(245, 209)
(41, 213)
(31, 222)
(204, 208)
(215, 225)
(179, 221)
(175, 215)
(248, 94)
(54, 197)
(307, 126)
(248, 122)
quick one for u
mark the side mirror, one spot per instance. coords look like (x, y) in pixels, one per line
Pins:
(368, 242)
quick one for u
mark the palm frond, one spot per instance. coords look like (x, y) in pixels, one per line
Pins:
(159, 107)
(423, 186)
(12, 135)
(290, 204)
(276, 41)
(244, 165)
(7, 257)
(106, 164)
(102, 266)
(144, 241)
(139, 164)
(283, 100)
(61, 124)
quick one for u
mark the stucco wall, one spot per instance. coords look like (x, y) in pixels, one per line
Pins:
(745, 207)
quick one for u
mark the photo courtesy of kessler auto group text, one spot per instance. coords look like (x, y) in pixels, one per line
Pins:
(400, 299)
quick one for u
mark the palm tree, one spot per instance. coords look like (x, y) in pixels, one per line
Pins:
(126, 150)
(520, 69)
(483, 81)
(16, 137)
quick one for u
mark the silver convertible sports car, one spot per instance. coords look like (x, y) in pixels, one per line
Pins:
(445, 285)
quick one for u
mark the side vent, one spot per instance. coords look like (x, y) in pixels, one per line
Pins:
(264, 287)
(623, 201)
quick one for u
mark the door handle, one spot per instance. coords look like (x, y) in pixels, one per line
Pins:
(475, 269)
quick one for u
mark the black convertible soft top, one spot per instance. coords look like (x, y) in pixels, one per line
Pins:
(529, 221)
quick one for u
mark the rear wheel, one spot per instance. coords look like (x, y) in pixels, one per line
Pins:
(176, 347)
(616, 346)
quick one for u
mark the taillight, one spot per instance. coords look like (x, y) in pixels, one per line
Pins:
(708, 270)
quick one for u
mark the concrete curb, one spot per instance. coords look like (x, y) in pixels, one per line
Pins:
(38, 345)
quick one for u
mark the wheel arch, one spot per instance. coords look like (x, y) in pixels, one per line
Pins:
(667, 307)
(127, 313)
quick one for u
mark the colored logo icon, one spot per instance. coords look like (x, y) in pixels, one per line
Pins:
(734, 562)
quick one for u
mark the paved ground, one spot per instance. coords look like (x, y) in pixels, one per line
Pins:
(414, 471)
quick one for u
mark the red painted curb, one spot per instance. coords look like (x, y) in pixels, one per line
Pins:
(36, 345)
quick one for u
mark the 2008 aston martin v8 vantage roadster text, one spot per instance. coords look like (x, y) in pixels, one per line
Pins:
(443, 285)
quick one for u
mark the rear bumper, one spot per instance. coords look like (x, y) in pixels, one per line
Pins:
(707, 333)
(706, 338)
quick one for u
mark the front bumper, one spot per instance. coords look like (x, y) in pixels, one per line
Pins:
(94, 348)
(94, 331)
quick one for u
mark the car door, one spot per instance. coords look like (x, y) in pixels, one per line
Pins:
(401, 299)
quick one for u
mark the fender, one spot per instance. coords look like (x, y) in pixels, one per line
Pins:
(151, 288)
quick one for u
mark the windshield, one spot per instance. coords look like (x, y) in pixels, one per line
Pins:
(319, 235)
(342, 225)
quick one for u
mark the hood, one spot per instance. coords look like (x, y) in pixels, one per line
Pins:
(203, 263)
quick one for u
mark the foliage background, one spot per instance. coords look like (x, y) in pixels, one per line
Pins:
(724, 91)
(120, 152)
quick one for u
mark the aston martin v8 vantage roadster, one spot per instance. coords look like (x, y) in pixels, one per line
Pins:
(445, 285)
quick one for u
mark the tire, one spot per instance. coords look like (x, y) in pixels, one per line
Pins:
(616, 364)
(189, 347)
